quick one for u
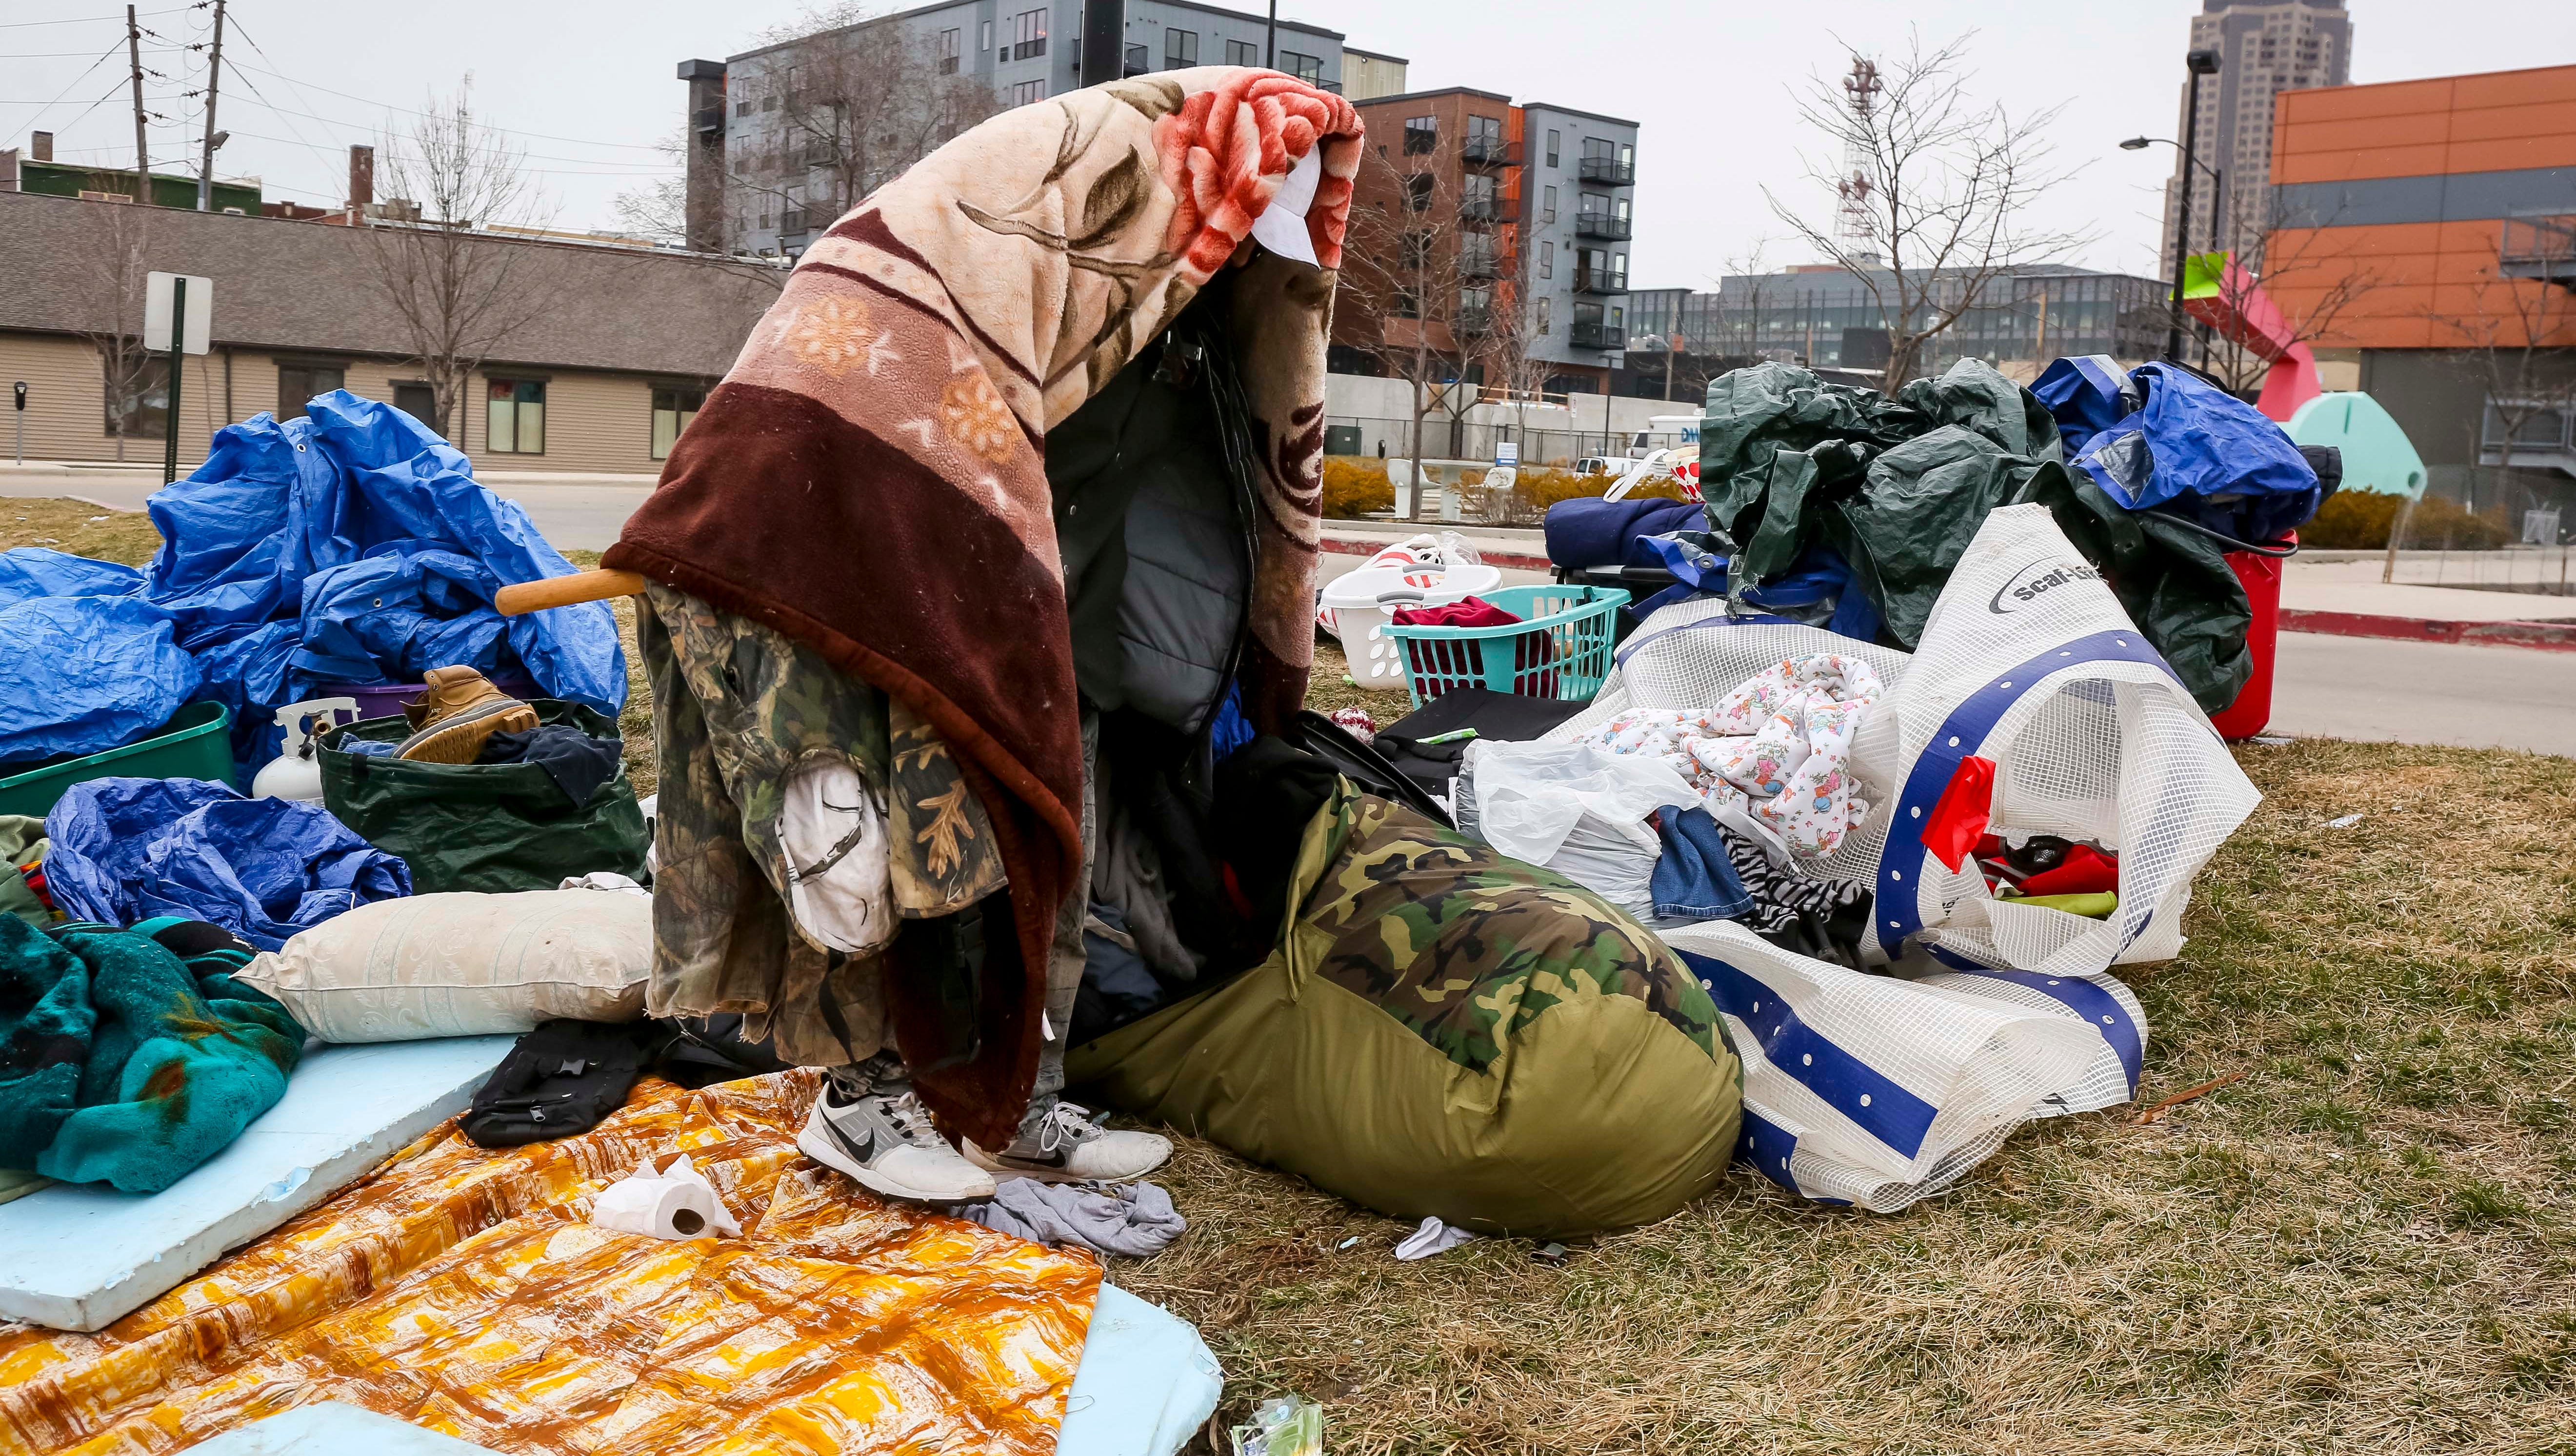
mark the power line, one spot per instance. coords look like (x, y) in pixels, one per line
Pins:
(93, 19)
(407, 111)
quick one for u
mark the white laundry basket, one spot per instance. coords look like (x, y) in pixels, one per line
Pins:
(1363, 603)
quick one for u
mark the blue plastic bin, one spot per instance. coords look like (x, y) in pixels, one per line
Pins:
(1559, 649)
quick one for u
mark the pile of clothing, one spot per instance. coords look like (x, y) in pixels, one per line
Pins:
(352, 545)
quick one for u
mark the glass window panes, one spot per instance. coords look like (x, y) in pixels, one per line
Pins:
(950, 42)
(1242, 53)
(1546, 258)
(1028, 34)
(1180, 48)
(1025, 92)
(1547, 204)
(1309, 69)
(138, 405)
(297, 383)
(673, 408)
(515, 416)
(1421, 134)
(1551, 147)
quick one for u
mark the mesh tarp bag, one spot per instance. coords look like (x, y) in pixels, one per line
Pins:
(2029, 663)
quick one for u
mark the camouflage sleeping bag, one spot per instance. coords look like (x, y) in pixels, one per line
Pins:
(1443, 1030)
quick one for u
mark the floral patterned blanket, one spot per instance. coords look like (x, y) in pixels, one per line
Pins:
(870, 477)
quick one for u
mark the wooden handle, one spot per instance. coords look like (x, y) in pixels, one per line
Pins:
(566, 591)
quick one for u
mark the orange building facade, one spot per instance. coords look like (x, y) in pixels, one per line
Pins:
(2423, 235)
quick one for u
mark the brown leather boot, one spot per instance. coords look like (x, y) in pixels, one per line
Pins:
(461, 709)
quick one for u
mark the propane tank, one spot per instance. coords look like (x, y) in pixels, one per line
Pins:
(296, 772)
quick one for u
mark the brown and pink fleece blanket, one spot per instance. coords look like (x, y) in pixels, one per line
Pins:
(870, 478)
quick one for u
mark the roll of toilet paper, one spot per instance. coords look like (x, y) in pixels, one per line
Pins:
(677, 1203)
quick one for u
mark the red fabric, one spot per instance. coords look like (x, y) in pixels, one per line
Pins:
(2087, 871)
(1470, 612)
(1966, 806)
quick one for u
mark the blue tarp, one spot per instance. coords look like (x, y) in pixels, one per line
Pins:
(126, 850)
(34, 571)
(352, 545)
(2176, 442)
(82, 674)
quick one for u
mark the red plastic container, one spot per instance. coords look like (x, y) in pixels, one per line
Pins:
(2253, 706)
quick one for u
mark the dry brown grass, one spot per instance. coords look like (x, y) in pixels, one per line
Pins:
(79, 528)
(2367, 1244)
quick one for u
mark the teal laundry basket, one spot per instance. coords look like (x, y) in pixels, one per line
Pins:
(1560, 647)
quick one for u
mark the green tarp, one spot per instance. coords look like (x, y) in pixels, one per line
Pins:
(491, 827)
(1899, 485)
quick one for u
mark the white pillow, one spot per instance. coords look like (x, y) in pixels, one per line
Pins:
(464, 965)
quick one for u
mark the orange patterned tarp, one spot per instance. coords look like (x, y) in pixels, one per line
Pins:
(464, 1290)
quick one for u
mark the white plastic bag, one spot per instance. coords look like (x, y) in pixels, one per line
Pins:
(1575, 809)
(1874, 1090)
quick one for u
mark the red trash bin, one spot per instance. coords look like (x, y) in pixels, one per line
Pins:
(2252, 709)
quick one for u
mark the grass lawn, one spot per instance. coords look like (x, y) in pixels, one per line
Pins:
(2368, 1243)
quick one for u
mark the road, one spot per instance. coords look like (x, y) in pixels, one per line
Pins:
(2341, 687)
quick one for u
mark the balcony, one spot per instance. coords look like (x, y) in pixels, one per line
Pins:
(1608, 171)
(1473, 320)
(1601, 225)
(1478, 210)
(1473, 263)
(1488, 151)
(1600, 282)
(708, 121)
(1598, 336)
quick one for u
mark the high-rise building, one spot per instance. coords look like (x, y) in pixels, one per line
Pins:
(1524, 210)
(2264, 47)
(779, 135)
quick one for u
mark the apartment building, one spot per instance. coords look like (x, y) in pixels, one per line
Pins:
(772, 156)
(602, 381)
(1367, 75)
(1522, 211)
(2265, 47)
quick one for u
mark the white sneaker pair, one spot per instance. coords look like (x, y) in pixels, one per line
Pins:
(886, 1142)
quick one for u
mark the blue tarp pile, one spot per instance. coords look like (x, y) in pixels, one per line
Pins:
(2158, 438)
(352, 545)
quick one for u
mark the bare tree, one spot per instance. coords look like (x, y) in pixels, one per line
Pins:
(2517, 338)
(659, 209)
(113, 281)
(1949, 185)
(2294, 260)
(460, 293)
(859, 104)
(1418, 287)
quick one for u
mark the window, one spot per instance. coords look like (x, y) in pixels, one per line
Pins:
(1180, 48)
(1551, 148)
(415, 398)
(1138, 60)
(1546, 258)
(742, 107)
(1407, 305)
(1418, 189)
(1421, 135)
(1242, 53)
(1309, 69)
(140, 409)
(1547, 203)
(1026, 92)
(1028, 34)
(769, 102)
(948, 45)
(673, 408)
(1479, 194)
(297, 383)
(515, 417)
(792, 220)
(1414, 251)
(1620, 208)
(1594, 205)
(1546, 314)
(984, 37)
(1485, 129)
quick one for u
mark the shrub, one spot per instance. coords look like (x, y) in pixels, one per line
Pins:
(2359, 520)
(1353, 489)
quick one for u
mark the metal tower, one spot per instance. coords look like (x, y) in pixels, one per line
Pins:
(1856, 219)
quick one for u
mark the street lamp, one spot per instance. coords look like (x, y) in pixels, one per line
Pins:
(2199, 63)
(2217, 207)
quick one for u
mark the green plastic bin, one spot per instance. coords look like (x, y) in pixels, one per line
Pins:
(197, 743)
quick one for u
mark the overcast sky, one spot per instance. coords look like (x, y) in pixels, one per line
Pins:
(589, 86)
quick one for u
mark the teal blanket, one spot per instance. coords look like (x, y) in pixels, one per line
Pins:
(129, 1057)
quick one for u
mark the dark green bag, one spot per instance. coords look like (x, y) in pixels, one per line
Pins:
(484, 826)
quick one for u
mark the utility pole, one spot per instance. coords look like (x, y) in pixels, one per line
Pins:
(1270, 43)
(134, 62)
(214, 77)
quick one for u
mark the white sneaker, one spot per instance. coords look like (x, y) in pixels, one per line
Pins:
(889, 1146)
(1068, 1147)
